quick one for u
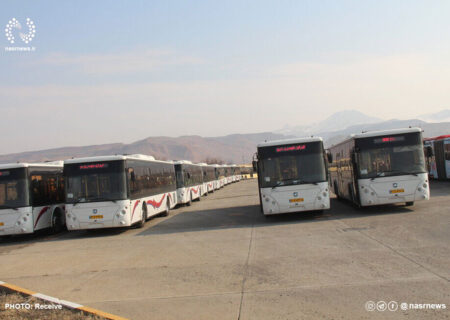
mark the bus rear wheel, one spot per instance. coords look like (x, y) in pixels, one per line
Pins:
(190, 200)
(57, 222)
(166, 213)
(143, 217)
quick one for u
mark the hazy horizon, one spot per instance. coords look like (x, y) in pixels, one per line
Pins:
(113, 72)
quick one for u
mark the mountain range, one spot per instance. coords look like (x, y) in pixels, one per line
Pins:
(239, 148)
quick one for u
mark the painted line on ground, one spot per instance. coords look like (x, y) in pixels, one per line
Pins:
(67, 304)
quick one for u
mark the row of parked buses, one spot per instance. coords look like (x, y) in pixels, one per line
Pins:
(371, 168)
(101, 192)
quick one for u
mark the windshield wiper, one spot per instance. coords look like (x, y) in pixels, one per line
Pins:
(294, 182)
(397, 173)
(101, 199)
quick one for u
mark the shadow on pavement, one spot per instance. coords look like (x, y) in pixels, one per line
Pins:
(248, 216)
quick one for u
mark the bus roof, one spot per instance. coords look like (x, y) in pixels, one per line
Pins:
(369, 134)
(113, 157)
(385, 132)
(183, 162)
(289, 141)
(443, 137)
(50, 164)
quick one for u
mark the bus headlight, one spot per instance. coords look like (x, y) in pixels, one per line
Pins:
(325, 194)
(123, 211)
(425, 186)
(319, 198)
(24, 219)
(267, 199)
(366, 190)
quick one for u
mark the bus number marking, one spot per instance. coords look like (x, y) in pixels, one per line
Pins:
(393, 191)
(296, 200)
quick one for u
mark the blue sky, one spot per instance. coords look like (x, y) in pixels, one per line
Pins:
(119, 71)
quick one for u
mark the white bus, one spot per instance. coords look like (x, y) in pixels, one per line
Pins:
(228, 174)
(236, 172)
(189, 181)
(380, 167)
(437, 151)
(292, 176)
(31, 197)
(209, 178)
(218, 182)
(117, 191)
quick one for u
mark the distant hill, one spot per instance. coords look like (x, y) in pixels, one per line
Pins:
(336, 122)
(234, 148)
(441, 116)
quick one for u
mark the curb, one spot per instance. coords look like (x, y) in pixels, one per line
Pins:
(70, 305)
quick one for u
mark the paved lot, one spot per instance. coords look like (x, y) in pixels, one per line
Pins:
(221, 259)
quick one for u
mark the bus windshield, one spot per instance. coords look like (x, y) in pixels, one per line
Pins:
(292, 165)
(93, 182)
(395, 155)
(13, 188)
(391, 161)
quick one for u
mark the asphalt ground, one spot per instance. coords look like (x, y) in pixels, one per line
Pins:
(222, 259)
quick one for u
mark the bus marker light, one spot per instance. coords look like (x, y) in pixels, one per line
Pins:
(1, 224)
(393, 191)
(99, 216)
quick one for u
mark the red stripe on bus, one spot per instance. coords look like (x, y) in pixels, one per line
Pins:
(155, 204)
(43, 210)
(196, 191)
(134, 208)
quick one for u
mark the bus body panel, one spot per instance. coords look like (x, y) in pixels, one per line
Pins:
(16, 221)
(185, 194)
(386, 190)
(121, 213)
(295, 198)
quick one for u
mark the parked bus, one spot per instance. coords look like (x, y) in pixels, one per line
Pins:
(221, 175)
(236, 173)
(117, 191)
(209, 178)
(380, 167)
(292, 176)
(437, 151)
(228, 174)
(189, 181)
(31, 197)
(247, 171)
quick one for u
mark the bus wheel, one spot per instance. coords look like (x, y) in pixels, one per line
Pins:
(166, 213)
(57, 222)
(190, 200)
(143, 217)
(409, 203)
(336, 190)
(199, 197)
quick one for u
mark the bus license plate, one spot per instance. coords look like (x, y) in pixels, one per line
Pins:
(96, 217)
(393, 191)
(296, 200)
(1, 224)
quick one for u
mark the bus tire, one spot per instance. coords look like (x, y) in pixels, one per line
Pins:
(141, 223)
(167, 211)
(409, 203)
(190, 200)
(57, 222)
(336, 190)
(199, 197)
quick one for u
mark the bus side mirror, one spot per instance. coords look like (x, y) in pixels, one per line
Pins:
(329, 157)
(429, 151)
(255, 165)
